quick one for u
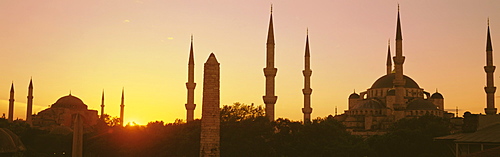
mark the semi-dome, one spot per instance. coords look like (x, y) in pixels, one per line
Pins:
(370, 104)
(437, 96)
(70, 102)
(354, 96)
(421, 104)
(387, 81)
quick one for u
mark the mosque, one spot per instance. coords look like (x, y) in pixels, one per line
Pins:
(392, 97)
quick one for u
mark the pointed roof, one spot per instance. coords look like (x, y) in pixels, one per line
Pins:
(398, 28)
(270, 32)
(191, 56)
(389, 62)
(103, 94)
(307, 44)
(12, 87)
(488, 40)
(211, 59)
(31, 84)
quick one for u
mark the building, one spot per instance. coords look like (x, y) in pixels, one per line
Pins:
(63, 113)
(392, 97)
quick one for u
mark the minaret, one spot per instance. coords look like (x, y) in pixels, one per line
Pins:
(102, 106)
(29, 109)
(122, 107)
(307, 72)
(210, 110)
(11, 103)
(389, 62)
(489, 69)
(270, 72)
(399, 81)
(190, 85)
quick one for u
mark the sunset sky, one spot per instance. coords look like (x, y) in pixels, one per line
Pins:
(142, 45)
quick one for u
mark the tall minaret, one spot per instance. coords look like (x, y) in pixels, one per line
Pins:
(389, 62)
(307, 72)
(270, 72)
(102, 106)
(29, 109)
(190, 85)
(489, 69)
(122, 107)
(399, 81)
(11, 103)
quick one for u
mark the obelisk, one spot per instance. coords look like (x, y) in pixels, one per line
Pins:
(210, 111)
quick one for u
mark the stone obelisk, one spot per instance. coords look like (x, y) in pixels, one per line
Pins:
(11, 103)
(210, 112)
(307, 72)
(190, 85)
(77, 137)
(29, 108)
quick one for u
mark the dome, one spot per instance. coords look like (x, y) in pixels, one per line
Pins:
(354, 96)
(386, 81)
(370, 104)
(70, 102)
(421, 104)
(437, 96)
(10, 142)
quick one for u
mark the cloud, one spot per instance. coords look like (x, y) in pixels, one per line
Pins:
(126, 21)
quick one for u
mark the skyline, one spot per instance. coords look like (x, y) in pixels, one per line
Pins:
(143, 46)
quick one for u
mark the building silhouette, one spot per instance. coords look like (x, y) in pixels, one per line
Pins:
(270, 71)
(392, 97)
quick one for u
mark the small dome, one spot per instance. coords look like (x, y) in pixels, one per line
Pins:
(370, 104)
(70, 102)
(437, 96)
(354, 96)
(10, 142)
(387, 81)
(421, 104)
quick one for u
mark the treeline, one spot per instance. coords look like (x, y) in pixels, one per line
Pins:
(244, 132)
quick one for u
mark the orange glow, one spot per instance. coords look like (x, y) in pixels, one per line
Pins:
(88, 46)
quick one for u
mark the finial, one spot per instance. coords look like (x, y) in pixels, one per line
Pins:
(69, 92)
(354, 90)
(271, 8)
(389, 42)
(307, 31)
(191, 37)
(436, 90)
(488, 21)
(398, 7)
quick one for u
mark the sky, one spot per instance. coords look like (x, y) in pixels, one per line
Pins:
(143, 46)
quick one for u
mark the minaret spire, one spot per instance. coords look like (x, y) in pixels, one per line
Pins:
(190, 85)
(399, 59)
(29, 108)
(490, 88)
(389, 62)
(307, 72)
(102, 106)
(270, 72)
(11, 103)
(122, 107)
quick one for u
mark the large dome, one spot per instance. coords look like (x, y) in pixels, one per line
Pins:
(70, 102)
(386, 81)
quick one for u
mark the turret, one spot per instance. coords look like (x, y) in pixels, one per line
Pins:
(11, 103)
(122, 107)
(307, 72)
(353, 100)
(399, 59)
(490, 88)
(270, 72)
(438, 100)
(190, 85)
(29, 107)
